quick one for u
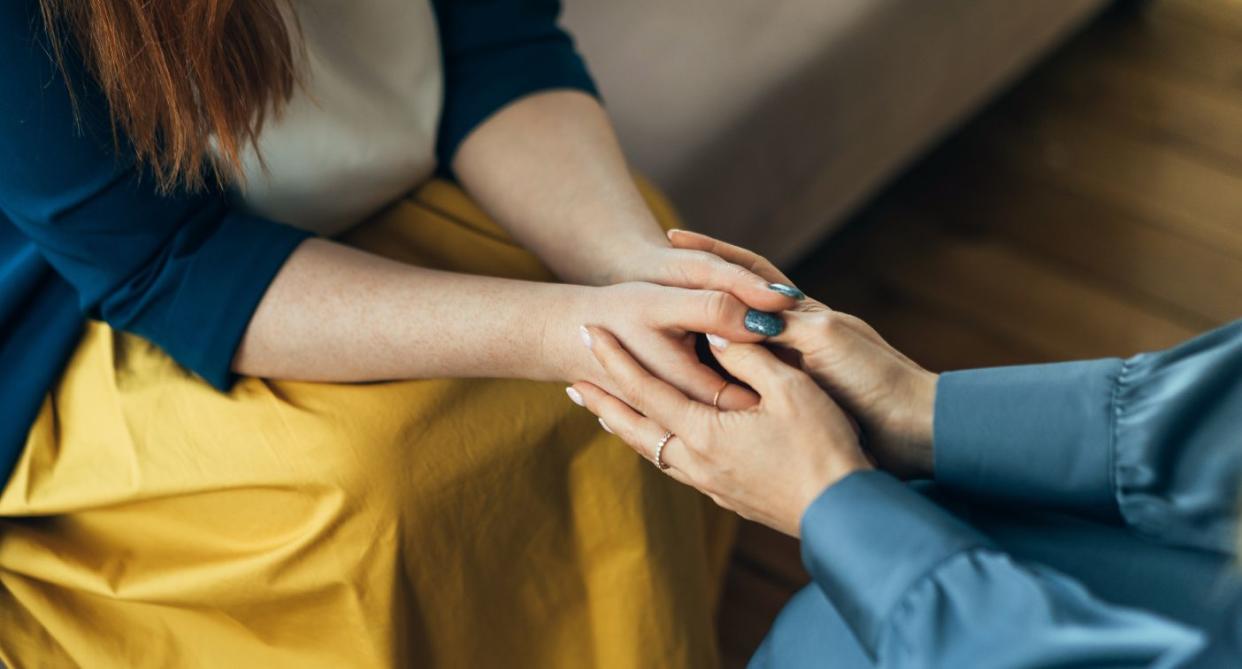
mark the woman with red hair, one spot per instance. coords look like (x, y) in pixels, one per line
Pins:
(217, 220)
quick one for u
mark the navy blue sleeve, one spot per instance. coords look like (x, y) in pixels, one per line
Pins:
(1154, 441)
(184, 270)
(920, 589)
(496, 51)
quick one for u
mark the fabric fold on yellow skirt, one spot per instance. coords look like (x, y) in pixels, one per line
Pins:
(153, 522)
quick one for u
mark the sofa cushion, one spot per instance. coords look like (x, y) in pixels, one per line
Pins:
(769, 121)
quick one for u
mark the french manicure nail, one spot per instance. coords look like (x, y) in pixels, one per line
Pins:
(605, 426)
(672, 232)
(787, 290)
(586, 336)
(717, 341)
(763, 323)
(575, 396)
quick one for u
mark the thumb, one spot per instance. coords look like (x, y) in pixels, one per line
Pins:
(757, 366)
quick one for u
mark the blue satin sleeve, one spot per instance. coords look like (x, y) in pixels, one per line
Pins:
(918, 588)
(1153, 441)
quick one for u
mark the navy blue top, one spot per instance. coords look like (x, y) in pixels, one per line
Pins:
(1151, 446)
(84, 233)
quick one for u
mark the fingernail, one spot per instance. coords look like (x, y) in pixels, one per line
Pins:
(586, 336)
(763, 323)
(575, 396)
(787, 290)
(672, 232)
(605, 426)
(717, 341)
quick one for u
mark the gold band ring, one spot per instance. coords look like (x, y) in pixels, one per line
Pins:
(659, 452)
(716, 399)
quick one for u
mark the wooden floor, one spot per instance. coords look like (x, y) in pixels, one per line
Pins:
(1094, 210)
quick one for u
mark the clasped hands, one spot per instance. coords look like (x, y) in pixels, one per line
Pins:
(814, 393)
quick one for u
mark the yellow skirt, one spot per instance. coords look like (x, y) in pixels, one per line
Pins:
(153, 522)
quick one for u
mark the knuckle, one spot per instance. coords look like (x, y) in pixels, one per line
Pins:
(707, 258)
(717, 306)
(738, 272)
(630, 390)
(790, 384)
(675, 274)
(743, 355)
(848, 319)
(798, 384)
(857, 326)
(826, 323)
(698, 268)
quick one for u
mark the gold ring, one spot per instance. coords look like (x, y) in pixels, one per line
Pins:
(716, 399)
(659, 453)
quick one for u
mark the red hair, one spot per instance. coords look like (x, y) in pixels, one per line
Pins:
(181, 74)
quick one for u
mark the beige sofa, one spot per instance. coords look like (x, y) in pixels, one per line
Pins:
(768, 121)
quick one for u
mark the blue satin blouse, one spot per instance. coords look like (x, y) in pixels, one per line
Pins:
(1084, 514)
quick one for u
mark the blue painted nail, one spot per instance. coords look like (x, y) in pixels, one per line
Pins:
(787, 290)
(763, 323)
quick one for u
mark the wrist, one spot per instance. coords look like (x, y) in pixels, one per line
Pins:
(822, 484)
(636, 258)
(843, 469)
(562, 354)
(902, 438)
(921, 450)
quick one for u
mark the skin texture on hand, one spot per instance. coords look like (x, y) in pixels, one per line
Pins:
(656, 323)
(767, 462)
(889, 394)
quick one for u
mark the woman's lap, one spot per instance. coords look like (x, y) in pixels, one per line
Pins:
(465, 522)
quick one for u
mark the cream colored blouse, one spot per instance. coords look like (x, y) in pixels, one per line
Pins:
(361, 129)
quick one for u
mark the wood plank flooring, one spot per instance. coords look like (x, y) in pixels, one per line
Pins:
(1093, 210)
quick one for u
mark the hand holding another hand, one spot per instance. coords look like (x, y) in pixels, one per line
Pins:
(658, 324)
(767, 462)
(766, 454)
(663, 295)
(890, 395)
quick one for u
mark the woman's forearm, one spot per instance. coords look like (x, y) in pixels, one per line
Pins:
(549, 169)
(334, 313)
